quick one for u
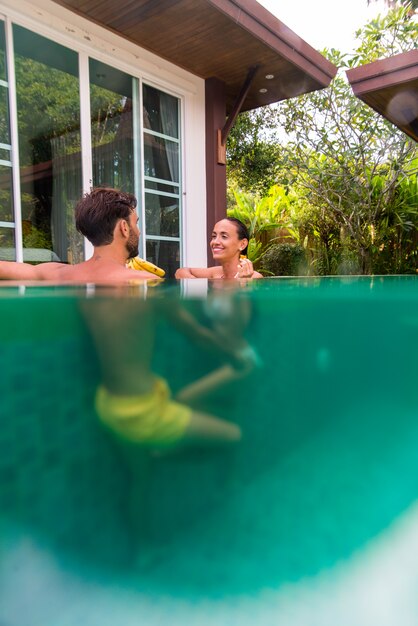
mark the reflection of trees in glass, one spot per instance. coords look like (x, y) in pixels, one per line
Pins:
(48, 110)
(48, 106)
(107, 111)
(160, 112)
(6, 238)
(160, 115)
(161, 158)
(4, 115)
(3, 67)
(162, 215)
(112, 138)
(6, 206)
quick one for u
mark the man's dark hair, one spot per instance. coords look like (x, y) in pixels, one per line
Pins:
(97, 213)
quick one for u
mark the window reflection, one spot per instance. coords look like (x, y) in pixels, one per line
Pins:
(161, 158)
(160, 112)
(49, 143)
(165, 254)
(162, 174)
(7, 240)
(6, 199)
(162, 215)
(3, 68)
(111, 102)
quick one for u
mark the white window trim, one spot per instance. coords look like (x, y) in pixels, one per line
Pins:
(85, 132)
(14, 142)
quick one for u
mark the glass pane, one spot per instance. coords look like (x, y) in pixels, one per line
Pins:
(160, 112)
(6, 155)
(3, 67)
(161, 215)
(111, 94)
(7, 244)
(150, 184)
(4, 116)
(165, 254)
(49, 143)
(6, 198)
(161, 158)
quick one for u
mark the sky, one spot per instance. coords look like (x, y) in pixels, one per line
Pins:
(325, 23)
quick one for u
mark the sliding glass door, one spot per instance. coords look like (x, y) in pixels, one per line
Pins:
(134, 136)
(162, 177)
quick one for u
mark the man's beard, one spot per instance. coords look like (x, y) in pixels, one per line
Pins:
(132, 245)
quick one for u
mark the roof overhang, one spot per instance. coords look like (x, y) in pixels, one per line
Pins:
(390, 87)
(218, 39)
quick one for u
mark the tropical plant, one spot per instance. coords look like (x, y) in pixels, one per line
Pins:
(351, 174)
(264, 217)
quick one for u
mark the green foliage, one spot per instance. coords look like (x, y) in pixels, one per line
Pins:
(350, 174)
(284, 259)
(37, 239)
(255, 250)
(251, 155)
(48, 107)
(262, 216)
(386, 36)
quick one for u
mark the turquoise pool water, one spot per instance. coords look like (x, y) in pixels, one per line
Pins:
(311, 518)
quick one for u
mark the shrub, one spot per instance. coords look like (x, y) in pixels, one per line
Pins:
(285, 259)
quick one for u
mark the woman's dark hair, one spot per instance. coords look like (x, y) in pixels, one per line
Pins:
(97, 213)
(242, 231)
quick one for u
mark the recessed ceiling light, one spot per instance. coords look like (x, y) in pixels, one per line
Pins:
(269, 76)
(263, 90)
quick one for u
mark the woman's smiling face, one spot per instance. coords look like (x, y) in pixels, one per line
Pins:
(224, 242)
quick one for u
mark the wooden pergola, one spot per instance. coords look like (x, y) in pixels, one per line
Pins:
(390, 87)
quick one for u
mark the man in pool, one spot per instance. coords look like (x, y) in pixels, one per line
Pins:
(108, 219)
(132, 402)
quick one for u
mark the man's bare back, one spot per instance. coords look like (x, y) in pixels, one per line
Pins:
(108, 218)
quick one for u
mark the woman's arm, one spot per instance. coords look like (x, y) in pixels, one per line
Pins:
(197, 272)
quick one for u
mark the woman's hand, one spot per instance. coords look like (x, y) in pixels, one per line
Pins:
(245, 269)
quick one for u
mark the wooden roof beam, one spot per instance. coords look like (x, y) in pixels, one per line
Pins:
(236, 109)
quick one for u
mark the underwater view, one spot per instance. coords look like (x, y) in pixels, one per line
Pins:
(193, 453)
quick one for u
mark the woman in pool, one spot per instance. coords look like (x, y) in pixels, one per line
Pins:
(227, 317)
(229, 244)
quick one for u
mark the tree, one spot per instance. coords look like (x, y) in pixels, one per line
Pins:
(410, 4)
(352, 170)
(350, 163)
(251, 155)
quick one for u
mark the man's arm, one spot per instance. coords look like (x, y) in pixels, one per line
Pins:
(12, 270)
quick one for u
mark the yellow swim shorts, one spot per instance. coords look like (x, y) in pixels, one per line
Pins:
(148, 419)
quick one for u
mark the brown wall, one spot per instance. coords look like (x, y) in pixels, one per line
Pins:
(215, 98)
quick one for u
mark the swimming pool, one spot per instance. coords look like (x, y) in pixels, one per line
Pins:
(311, 518)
